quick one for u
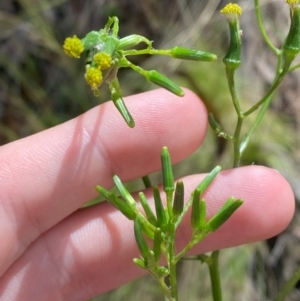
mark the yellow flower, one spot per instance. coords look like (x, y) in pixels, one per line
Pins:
(102, 60)
(232, 11)
(93, 77)
(73, 47)
(293, 3)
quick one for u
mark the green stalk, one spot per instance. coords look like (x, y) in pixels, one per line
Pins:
(147, 181)
(240, 115)
(274, 86)
(262, 28)
(267, 100)
(236, 142)
(172, 265)
(288, 286)
(190, 245)
(214, 273)
(232, 90)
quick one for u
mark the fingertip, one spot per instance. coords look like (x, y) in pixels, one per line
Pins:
(268, 204)
(267, 210)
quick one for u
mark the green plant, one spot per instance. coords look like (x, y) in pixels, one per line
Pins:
(105, 54)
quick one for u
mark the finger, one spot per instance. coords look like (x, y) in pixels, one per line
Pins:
(91, 252)
(49, 175)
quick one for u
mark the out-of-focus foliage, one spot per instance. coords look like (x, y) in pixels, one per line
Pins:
(41, 87)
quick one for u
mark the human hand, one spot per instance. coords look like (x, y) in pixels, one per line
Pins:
(50, 250)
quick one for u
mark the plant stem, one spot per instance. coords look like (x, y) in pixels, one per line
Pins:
(151, 51)
(147, 182)
(236, 142)
(165, 289)
(232, 90)
(240, 116)
(190, 245)
(275, 84)
(267, 100)
(213, 266)
(172, 265)
(289, 285)
(262, 28)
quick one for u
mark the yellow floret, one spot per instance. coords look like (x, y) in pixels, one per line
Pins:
(73, 47)
(102, 60)
(232, 10)
(93, 77)
(293, 3)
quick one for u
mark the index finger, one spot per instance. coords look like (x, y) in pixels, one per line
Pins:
(49, 175)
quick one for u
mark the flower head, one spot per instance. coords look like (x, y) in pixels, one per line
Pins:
(93, 77)
(102, 60)
(232, 58)
(73, 47)
(293, 3)
(232, 11)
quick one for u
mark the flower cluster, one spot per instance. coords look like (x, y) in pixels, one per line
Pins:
(94, 76)
(74, 47)
(105, 53)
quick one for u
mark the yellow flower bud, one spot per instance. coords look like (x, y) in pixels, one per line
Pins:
(293, 3)
(93, 77)
(73, 47)
(232, 58)
(102, 60)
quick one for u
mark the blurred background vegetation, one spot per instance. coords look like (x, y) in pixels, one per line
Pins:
(40, 87)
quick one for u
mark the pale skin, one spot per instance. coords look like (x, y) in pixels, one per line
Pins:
(50, 250)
